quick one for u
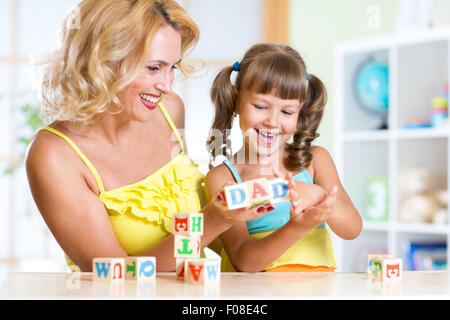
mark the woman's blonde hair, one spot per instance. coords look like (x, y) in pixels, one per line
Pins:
(104, 53)
(269, 68)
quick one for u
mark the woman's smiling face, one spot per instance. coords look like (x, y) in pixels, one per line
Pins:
(144, 93)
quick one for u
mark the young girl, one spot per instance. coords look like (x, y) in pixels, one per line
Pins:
(280, 107)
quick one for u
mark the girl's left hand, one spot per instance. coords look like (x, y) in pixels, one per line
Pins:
(296, 200)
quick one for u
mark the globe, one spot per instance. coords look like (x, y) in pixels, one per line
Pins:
(372, 87)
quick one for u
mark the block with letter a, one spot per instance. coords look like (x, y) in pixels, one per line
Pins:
(259, 191)
(202, 271)
(140, 268)
(108, 269)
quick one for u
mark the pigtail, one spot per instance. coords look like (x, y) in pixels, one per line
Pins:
(223, 96)
(299, 151)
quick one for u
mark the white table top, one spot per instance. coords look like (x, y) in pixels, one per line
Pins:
(286, 286)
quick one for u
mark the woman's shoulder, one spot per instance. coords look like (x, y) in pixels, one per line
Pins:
(50, 154)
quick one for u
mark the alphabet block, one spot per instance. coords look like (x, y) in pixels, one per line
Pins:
(256, 192)
(186, 247)
(188, 224)
(385, 269)
(179, 268)
(202, 271)
(280, 191)
(370, 258)
(259, 191)
(108, 269)
(140, 268)
(236, 196)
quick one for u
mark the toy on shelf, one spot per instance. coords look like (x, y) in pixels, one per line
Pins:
(422, 204)
(439, 112)
(384, 267)
(377, 199)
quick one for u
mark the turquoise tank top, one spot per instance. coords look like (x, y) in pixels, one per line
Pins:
(278, 217)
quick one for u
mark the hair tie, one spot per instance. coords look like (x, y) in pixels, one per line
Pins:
(237, 66)
(307, 76)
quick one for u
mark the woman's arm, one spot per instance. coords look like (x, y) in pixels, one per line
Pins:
(73, 212)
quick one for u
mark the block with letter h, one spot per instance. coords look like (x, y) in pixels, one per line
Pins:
(141, 269)
(188, 224)
(255, 192)
(202, 271)
(108, 269)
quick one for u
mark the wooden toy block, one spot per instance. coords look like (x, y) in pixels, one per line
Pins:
(259, 191)
(186, 247)
(387, 269)
(202, 271)
(140, 268)
(255, 192)
(108, 269)
(179, 268)
(188, 224)
(236, 196)
(280, 190)
(370, 257)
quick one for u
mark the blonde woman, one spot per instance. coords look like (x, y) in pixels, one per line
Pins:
(106, 174)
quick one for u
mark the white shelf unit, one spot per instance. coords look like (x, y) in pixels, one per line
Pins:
(418, 71)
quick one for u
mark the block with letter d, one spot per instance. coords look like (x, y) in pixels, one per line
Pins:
(108, 269)
(202, 271)
(188, 224)
(280, 191)
(140, 268)
(186, 247)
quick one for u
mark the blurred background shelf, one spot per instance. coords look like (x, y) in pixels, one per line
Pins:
(393, 160)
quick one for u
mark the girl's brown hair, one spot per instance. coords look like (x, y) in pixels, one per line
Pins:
(105, 53)
(270, 69)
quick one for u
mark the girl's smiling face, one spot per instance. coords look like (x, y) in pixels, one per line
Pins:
(144, 93)
(267, 122)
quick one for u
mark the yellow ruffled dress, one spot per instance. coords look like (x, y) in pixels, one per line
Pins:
(141, 213)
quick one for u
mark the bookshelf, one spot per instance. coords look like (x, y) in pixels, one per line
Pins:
(419, 70)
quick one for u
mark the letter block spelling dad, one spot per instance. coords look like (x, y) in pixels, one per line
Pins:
(255, 192)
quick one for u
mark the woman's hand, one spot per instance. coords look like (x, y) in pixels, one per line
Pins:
(218, 206)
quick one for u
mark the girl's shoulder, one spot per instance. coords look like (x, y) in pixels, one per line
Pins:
(321, 160)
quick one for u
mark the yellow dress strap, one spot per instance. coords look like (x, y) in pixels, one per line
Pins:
(171, 124)
(80, 154)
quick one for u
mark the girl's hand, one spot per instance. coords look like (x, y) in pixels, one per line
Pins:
(315, 215)
(302, 195)
(243, 214)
